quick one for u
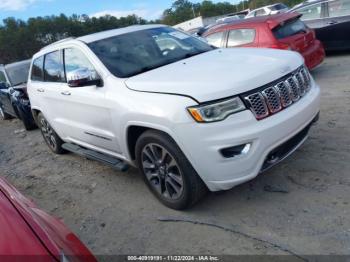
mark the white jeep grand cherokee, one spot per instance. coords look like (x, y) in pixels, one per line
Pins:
(190, 116)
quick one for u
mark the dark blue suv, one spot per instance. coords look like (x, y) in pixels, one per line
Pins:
(14, 101)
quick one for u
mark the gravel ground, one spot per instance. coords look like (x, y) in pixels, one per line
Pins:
(114, 213)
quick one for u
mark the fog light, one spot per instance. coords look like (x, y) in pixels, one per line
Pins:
(235, 150)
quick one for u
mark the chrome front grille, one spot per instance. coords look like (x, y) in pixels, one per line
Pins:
(275, 97)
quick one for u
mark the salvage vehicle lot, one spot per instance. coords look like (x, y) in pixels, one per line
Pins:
(301, 206)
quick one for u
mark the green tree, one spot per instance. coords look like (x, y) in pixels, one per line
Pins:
(19, 40)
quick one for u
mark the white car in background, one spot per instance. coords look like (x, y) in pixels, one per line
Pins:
(228, 19)
(268, 10)
(191, 117)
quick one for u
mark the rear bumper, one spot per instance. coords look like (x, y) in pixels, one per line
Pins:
(314, 55)
(202, 143)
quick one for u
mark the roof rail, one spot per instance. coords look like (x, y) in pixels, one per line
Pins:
(59, 41)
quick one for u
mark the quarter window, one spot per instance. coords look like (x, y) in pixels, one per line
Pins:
(37, 69)
(310, 12)
(240, 37)
(339, 8)
(215, 39)
(74, 60)
(53, 67)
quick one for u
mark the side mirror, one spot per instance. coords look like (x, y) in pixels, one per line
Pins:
(83, 77)
(4, 85)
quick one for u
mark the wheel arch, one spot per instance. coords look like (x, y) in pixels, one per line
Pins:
(35, 113)
(134, 131)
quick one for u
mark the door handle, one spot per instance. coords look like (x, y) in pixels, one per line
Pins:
(41, 90)
(332, 22)
(66, 93)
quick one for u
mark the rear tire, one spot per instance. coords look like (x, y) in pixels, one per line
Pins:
(53, 141)
(167, 172)
(3, 114)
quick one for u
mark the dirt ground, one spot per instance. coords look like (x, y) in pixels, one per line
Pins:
(300, 207)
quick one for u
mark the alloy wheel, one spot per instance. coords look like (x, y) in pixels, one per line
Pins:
(48, 134)
(162, 171)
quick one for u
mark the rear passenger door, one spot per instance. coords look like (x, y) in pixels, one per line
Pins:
(49, 82)
(337, 24)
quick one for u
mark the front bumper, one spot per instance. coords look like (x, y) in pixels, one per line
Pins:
(202, 143)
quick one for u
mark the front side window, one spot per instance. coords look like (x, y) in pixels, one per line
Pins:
(75, 60)
(239, 37)
(38, 69)
(310, 12)
(339, 8)
(53, 67)
(133, 53)
(215, 39)
(290, 28)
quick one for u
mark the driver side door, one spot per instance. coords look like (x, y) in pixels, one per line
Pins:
(86, 118)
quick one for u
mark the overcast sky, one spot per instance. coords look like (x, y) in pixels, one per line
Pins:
(23, 9)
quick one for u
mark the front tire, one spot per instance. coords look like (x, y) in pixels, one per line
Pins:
(53, 141)
(167, 172)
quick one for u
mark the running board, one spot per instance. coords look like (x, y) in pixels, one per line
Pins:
(94, 155)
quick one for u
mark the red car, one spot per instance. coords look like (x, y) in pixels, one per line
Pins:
(282, 31)
(29, 234)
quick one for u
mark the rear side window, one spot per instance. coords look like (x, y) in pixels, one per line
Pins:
(215, 39)
(2, 77)
(290, 28)
(53, 67)
(310, 12)
(37, 69)
(339, 8)
(239, 37)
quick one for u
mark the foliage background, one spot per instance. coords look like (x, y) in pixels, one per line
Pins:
(20, 39)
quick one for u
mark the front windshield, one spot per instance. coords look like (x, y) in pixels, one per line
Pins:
(137, 52)
(18, 74)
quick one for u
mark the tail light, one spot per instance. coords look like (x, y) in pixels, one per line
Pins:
(282, 46)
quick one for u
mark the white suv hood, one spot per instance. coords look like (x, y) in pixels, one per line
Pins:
(218, 74)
